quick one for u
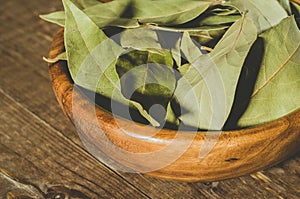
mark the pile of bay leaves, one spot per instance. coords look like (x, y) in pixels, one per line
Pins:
(203, 64)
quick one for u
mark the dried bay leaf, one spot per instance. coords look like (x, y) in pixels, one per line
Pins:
(85, 44)
(286, 5)
(190, 49)
(103, 14)
(59, 16)
(201, 34)
(206, 91)
(165, 12)
(175, 51)
(55, 17)
(171, 41)
(276, 91)
(265, 14)
(147, 78)
(86, 3)
(169, 12)
(209, 37)
(114, 13)
(141, 39)
(246, 84)
(171, 118)
(199, 88)
(219, 19)
(154, 41)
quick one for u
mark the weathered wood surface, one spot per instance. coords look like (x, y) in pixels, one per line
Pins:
(41, 155)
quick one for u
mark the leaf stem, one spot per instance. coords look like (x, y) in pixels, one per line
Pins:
(206, 48)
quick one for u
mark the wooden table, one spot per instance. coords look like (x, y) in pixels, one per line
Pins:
(41, 155)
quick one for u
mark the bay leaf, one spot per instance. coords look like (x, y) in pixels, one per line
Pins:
(141, 39)
(190, 49)
(59, 16)
(219, 19)
(166, 12)
(82, 4)
(206, 91)
(55, 17)
(171, 118)
(286, 5)
(148, 78)
(85, 46)
(265, 14)
(169, 12)
(129, 13)
(201, 34)
(175, 51)
(103, 14)
(153, 40)
(171, 41)
(184, 68)
(208, 36)
(277, 89)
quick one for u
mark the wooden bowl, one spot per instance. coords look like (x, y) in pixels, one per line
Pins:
(235, 153)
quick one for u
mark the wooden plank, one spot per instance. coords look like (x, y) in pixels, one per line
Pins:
(34, 156)
(272, 183)
(24, 77)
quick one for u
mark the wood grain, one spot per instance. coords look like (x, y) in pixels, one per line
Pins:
(24, 79)
(50, 159)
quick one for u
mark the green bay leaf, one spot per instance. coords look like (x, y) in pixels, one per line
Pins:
(59, 16)
(82, 4)
(85, 46)
(147, 78)
(201, 34)
(265, 14)
(175, 51)
(277, 89)
(103, 14)
(140, 39)
(286, 5)
(129, 13)
(167, 12)
(205, 37)
(219, 19)
(55, 17)
(171, 117)
(189, 48)
(206, 91)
